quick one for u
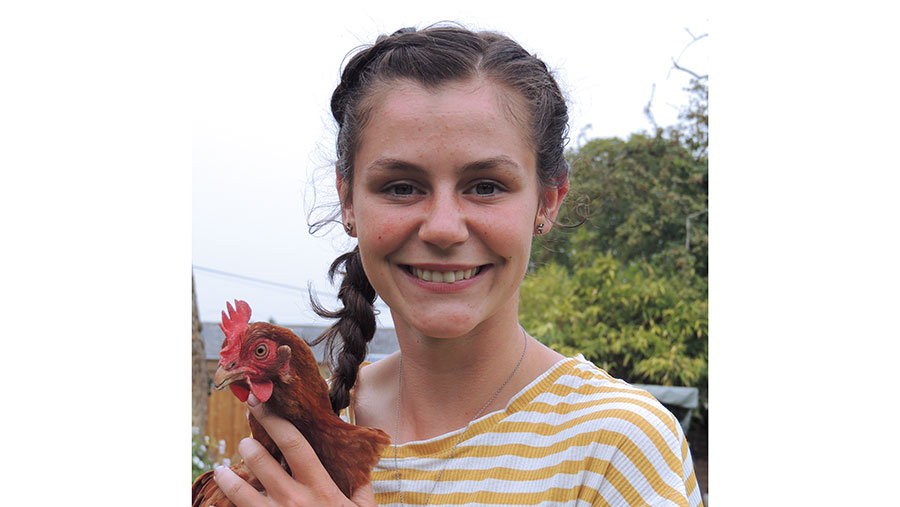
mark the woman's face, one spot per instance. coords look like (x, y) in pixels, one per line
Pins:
(445, 200)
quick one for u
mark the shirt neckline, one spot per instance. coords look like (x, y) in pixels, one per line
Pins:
(441, 444)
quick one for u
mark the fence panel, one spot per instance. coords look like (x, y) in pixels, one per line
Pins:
(227, 420)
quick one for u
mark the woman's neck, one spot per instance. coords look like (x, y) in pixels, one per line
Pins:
(446, 381)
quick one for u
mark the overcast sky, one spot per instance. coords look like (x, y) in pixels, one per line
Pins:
(263, 134)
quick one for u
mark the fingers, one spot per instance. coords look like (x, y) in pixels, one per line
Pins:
(275, 480)
(300, 456)
(236, 489)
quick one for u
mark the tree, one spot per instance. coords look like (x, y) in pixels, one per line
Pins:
(635, 322)
(641, 195)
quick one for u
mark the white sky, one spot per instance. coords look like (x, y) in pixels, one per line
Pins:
(263, 132)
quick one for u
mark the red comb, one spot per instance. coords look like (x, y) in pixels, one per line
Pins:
(234, 324)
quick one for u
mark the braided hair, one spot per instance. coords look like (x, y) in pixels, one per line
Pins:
(355, 326)
(430, 57)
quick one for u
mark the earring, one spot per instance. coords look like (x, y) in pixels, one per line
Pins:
(348, 228)
(540, 228)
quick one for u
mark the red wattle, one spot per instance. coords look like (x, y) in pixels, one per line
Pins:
(261, 389)
(240, 391)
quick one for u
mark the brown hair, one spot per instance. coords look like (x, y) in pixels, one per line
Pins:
(429, 57)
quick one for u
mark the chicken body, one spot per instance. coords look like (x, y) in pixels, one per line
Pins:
(273, 363)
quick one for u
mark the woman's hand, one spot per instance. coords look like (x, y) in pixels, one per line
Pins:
(310, 485)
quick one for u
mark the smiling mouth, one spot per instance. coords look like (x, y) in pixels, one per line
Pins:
(443, 276)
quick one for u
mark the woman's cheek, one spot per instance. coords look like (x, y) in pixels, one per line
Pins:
(386, 230)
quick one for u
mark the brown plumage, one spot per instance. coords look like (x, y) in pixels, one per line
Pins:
(280, 369)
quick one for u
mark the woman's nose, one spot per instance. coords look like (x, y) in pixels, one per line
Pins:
(445, 224)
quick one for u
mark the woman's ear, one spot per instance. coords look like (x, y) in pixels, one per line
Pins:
(551, 202)
(347, 217)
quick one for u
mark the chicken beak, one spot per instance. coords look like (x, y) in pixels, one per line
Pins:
(224, 376)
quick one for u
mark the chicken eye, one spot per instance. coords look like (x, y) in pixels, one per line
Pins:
(261, 351)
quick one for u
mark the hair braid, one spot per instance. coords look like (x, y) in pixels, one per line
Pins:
(354, 329)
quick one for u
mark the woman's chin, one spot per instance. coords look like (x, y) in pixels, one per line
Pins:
(441, 327)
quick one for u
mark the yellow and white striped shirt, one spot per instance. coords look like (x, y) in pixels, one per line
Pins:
(574, 436)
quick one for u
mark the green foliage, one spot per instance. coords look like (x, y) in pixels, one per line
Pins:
(639, 194)
(638, 324)
(694, 129)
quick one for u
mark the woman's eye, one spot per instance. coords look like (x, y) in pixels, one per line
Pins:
(485, 188)
(402, 189)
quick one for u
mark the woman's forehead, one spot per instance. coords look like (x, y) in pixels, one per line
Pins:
(402, 95)
(473, 104)
(454, 125)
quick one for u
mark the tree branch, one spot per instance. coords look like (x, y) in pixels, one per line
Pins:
(694, 38)
(648, 113)
(676, 66)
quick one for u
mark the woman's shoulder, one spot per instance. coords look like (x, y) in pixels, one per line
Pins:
(580, 409)
(576, 391)
(577, 378)
(367, 401)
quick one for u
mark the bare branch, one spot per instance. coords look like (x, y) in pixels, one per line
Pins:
(648, 113)
(688, 30)
(694, 38)
(676, 66)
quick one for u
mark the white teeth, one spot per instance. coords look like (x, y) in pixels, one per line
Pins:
(443, 276)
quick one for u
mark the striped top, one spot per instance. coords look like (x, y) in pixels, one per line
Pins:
(574, 436)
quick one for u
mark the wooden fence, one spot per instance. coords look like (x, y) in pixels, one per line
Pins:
(226, 420)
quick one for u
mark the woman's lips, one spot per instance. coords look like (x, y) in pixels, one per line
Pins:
(443, 276)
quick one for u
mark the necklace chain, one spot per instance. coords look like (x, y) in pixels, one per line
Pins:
(459, 438)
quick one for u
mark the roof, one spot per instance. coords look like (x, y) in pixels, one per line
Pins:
(383, 343)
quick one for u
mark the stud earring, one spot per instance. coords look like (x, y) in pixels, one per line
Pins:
(349, 228)
(540, 228)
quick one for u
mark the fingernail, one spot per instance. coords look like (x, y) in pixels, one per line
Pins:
(252, 400)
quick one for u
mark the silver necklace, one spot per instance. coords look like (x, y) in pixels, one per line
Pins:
(459, 438)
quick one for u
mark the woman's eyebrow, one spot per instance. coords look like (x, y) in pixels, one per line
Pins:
(394, 164)
(499, 162)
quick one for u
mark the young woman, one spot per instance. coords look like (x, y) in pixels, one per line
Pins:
(450, 159)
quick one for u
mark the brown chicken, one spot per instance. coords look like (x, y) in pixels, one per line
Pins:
(279, 368)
